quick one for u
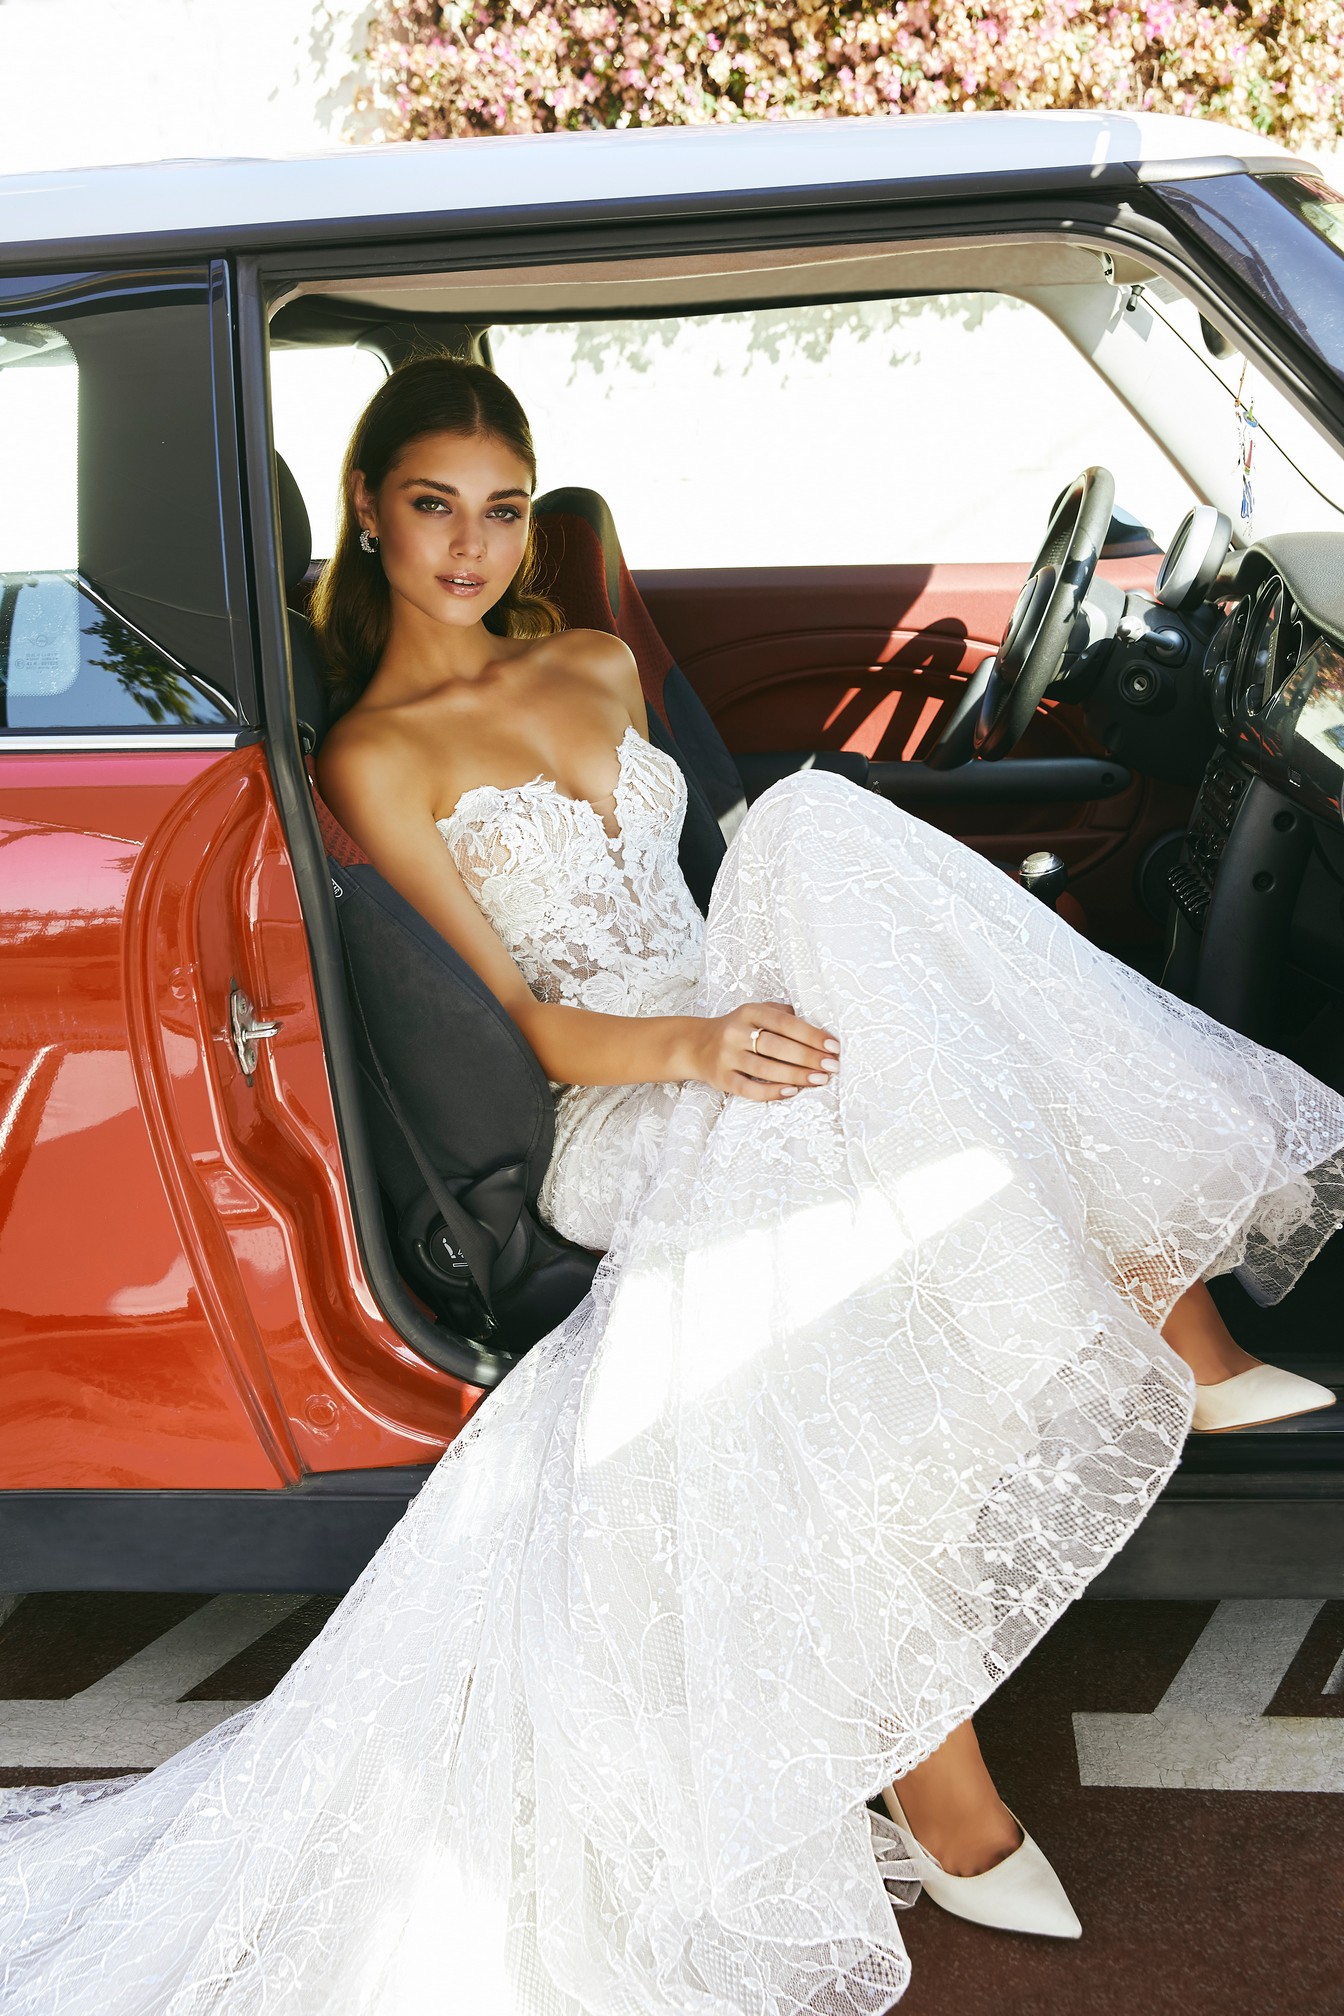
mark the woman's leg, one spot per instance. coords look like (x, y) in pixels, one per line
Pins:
(954, 1810)
(949, 1799)
(1197, 1333)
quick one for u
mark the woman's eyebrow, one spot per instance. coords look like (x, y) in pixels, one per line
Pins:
(450, 490)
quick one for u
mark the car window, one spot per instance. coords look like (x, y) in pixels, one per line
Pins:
(317, 394)
(1262, 461)
(918, 430)
(68, 659)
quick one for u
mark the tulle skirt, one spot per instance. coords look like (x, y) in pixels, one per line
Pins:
(869, 1386)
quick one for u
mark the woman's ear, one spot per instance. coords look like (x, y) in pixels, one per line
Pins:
(361, 502)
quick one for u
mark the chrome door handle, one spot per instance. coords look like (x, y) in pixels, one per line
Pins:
(246, 1031)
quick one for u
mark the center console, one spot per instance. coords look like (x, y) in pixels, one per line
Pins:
(1192, 879)
(1234, 891)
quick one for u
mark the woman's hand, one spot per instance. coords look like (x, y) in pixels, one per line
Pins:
(789, 1052)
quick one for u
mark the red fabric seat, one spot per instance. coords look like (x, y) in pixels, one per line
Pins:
(580, 568)
(583, 570)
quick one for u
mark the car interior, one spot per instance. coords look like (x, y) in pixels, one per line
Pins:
(1094, 732)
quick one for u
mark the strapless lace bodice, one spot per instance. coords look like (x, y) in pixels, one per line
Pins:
(594, 920)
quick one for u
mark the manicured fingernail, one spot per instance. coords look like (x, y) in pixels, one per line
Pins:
(787, 1091)
(830, 1044)
(816, 1077)
(830, 1064)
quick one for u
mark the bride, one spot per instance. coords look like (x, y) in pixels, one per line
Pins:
(658, 1698)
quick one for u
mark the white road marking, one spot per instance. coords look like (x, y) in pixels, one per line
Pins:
(1209, 1732)
(1238, 1662)
(134, 1717)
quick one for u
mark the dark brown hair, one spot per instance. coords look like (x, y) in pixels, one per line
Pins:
(351, 607)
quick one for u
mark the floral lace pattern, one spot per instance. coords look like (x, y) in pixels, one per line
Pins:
(597, 921)
(870, 1384)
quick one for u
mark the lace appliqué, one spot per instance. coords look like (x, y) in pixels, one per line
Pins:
(599, 921)
(594, 920)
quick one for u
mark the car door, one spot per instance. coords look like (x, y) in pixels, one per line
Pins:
(184, 1313)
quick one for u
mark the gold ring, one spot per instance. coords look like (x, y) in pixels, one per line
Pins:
(754, 1034)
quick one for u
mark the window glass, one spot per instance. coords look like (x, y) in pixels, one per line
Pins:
(1263, 462)
(924, 430)
(1281, 235)
(1315, 202)
(38, 418)
(67, 659)
(317, 394)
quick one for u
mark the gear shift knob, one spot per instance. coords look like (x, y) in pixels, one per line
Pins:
(1044, 874)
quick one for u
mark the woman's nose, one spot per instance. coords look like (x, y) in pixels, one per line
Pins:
(467, 537)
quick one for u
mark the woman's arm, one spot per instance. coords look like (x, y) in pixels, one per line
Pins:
(372, 786)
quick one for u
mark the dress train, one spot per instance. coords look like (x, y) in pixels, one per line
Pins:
(868, 1388)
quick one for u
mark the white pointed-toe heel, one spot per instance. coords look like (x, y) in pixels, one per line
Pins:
(1263, 1393)
(1020, 1894)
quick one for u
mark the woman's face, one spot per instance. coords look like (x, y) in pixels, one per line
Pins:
(451, 519)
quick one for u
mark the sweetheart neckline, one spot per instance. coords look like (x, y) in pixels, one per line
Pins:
(548, 784)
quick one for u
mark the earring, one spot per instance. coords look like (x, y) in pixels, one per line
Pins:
(368, 540)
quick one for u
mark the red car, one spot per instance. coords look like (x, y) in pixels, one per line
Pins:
(268, 1156)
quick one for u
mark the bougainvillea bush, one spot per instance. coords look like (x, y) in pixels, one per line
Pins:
(455, 66)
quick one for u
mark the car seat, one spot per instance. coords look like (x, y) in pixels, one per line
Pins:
(582, 570)
(311, 707)
(459, 1112)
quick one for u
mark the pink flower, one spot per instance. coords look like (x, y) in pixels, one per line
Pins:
(1275, 66)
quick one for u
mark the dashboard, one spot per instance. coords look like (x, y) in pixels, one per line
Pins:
(1230, 671)
(1276, 687)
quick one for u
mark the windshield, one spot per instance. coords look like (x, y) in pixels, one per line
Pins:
(1314, 203)
(1284, 236)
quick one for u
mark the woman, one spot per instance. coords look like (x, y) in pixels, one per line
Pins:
(908, 1195)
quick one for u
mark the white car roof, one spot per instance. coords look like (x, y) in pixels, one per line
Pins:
(436, 179)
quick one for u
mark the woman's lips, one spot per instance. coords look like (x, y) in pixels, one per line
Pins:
(461, 584)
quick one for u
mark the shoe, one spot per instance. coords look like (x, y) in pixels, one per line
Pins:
(895, 1865)
(1020, 1894)
(1263, 1393)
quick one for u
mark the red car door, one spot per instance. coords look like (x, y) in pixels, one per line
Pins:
(185, 1319)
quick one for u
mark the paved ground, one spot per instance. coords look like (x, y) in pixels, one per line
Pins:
(1181, 1763)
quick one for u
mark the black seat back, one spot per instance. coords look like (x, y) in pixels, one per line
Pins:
(449, 1085)
(448, 1079)
(296, 542)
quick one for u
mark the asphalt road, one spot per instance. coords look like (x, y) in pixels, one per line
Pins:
(1182, 1764)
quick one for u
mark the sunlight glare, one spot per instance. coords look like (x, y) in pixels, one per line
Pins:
(743, 1292)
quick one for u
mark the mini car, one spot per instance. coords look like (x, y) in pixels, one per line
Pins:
(995, 461)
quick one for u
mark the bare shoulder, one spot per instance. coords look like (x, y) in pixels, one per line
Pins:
(367, 755)
(608, 662)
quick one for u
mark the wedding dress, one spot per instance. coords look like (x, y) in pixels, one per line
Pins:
(869, 1385)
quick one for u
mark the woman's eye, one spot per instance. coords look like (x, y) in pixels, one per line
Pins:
(509, 512)
(430, 504)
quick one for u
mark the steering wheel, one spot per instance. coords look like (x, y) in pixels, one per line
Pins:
(1031, 652)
